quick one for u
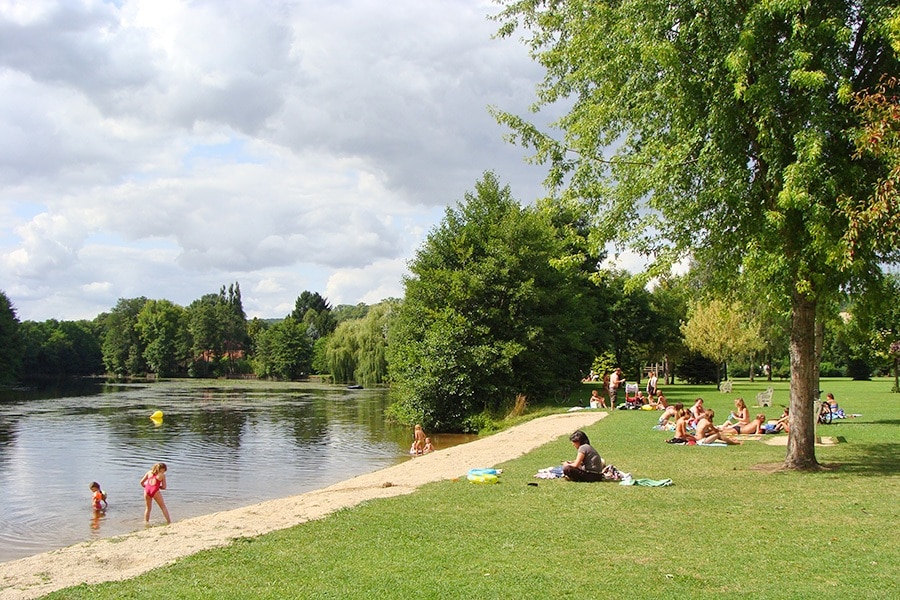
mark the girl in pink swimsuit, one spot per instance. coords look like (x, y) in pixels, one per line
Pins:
(98, 499)
(153, 481)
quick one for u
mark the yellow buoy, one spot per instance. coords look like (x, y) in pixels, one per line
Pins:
(157, 416)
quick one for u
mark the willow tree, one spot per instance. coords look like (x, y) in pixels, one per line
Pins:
(721, 129)
(357, 349)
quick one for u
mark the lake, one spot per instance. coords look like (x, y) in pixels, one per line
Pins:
(227, 444)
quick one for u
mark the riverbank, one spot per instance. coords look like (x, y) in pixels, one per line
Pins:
(130, 555)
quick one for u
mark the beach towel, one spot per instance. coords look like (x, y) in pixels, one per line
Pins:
(647, 482)
(550, 473)
(747, 437)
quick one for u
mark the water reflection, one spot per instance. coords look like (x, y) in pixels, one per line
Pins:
(226, 444)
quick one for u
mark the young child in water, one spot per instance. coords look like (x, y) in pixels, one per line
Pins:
(418, 440)
(429, 447)
(153, 482)
(98, 499)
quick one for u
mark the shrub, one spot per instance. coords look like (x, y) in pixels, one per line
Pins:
(695, 369)
(858, 369)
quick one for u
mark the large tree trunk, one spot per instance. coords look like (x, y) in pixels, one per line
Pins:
(801, 448)
(896, 376)
(819, 348)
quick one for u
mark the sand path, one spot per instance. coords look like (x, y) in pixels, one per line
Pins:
(126, 556)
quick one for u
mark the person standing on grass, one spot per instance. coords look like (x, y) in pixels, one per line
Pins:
(587, 466)
(651, 384)
(153, 482)
(615, 380)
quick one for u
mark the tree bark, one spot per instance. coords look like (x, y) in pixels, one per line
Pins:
(819, 348)
(801, 448)
(896, 376)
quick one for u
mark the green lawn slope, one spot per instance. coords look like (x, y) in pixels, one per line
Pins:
(730, 525)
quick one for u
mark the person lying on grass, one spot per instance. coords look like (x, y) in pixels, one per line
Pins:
(753, 427)
(672, 413)
(587, 466)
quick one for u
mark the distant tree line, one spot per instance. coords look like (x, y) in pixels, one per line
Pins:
(211, 337)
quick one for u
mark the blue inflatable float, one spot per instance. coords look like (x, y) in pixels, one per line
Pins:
(483, 475)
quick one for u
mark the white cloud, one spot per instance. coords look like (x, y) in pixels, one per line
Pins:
(163, 148)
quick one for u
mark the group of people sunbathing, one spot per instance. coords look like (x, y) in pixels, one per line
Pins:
(696, 425)
(655, 401)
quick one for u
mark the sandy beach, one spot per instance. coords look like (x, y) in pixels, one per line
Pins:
(126, 556)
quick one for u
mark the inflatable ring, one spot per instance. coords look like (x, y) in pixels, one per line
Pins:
(483, 475)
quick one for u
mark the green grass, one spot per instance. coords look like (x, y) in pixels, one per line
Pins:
(728, 526)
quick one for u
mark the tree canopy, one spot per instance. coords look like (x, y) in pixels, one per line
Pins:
(720, 331)
(10, 347)
(491, 310)
(724, 130)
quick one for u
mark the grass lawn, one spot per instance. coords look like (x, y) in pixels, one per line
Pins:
(729, 525)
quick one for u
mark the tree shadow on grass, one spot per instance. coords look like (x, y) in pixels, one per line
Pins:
(872, 459)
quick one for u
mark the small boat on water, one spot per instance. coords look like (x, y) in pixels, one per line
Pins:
(354, 387)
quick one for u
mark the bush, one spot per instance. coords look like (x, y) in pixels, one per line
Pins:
(695, 369)
(858, 369)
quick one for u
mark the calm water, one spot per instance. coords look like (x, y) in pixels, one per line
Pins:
(227, 444)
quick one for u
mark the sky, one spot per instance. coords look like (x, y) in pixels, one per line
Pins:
(164, 149)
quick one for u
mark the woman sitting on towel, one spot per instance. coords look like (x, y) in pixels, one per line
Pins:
(587, 466)
(740, 416)
(697, 408)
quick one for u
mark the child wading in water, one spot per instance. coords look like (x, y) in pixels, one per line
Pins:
(418, 445)
(153, 481)
(98, 500)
